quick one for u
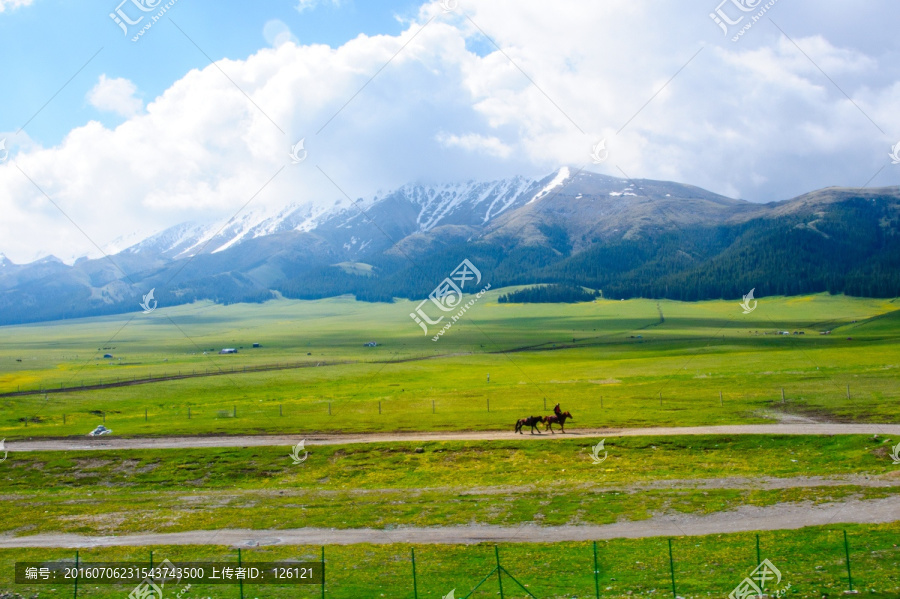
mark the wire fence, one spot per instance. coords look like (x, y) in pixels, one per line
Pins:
(827, 564)
(595, 410)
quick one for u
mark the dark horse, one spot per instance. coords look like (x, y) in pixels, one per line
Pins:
(560, 420)
(531, 421)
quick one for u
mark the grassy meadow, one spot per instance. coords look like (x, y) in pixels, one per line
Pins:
(383, 485)
(629, 363)
(811, 561)
(612, 364)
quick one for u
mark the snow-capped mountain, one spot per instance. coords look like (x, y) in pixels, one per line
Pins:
(420, 207)
(567, 226)
(189, 239)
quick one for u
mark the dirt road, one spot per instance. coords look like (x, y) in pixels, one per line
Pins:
(744, 519)
(111, 442)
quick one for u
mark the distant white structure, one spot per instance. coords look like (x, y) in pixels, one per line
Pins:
(228, 350)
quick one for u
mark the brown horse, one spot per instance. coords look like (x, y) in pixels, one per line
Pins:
(531, 421)
(560, 420)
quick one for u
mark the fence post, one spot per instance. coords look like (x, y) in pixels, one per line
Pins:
(782, 395)
(104, 417)
(189, 412)
(847, 553)
(323, 570)
(489, 404)
(432, 406)
(234, 413)
(280, 409)
(672, 569)
(64, 418)
(240, 580)
(499, 570)
(660, 399)
(145, 414)
(415, 588)
(596, 572)
(720, 399)
(329, 408)
(76, 575)
(758, 558)
(848, 391)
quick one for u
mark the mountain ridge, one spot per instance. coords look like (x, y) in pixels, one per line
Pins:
(627, 236)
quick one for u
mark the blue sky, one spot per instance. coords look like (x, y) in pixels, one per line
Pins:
(54, 38)
(149, 134)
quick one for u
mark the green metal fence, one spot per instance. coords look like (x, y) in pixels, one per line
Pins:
(499, 580)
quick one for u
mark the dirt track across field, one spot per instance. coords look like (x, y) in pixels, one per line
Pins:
(312, 439)
(743, 519)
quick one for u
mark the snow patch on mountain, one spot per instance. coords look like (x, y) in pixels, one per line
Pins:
(472, 202)
(557, 181)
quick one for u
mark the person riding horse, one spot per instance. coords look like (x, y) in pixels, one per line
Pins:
(559, 417)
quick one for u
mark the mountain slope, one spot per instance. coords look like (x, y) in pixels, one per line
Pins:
(626, 237)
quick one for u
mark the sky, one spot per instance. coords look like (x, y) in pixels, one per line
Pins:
(118, 120)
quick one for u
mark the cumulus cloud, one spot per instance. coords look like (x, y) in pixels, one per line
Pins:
(115, 95)
(473, 142)
(755, 119)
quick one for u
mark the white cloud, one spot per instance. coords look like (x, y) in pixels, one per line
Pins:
(12, 4)
(311, 4)
(473, 142)
(115, 95)
(754, 119)
(277, 32)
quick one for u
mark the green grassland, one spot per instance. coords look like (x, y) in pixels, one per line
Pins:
(811, 560)
(448, 483)
(653, 363)
(631, 363)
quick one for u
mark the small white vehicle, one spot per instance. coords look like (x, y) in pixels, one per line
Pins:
(100, 430)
